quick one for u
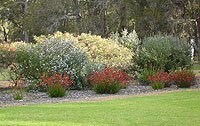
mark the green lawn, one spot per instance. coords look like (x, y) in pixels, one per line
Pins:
(173, 109)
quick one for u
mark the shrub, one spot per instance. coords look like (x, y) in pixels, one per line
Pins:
(7, 52)
(183, 79)
(18, 96)
(18, 93)
(56, 84)
(165, 53)
(162, 77)
(144, 74)
(98, 50)
(157, 85)
(109, 80)
(28, 63)
(104, 88)
(159, 80)
(54, 56)
(61, 79)
(56, 90)
(129, 40)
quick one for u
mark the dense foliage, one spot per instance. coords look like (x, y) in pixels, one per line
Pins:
(61, 79)
(165, 53)
(7, 52)
(183, 78)
(56, 84)
(109, 80)
(99, 50)
(159, 80)
(56, 90)
(53, 56)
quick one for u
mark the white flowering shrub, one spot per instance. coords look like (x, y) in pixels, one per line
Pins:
(129, 40)
(98, 50)
(54, 56)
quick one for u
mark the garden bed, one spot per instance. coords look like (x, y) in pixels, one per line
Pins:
(6, 98)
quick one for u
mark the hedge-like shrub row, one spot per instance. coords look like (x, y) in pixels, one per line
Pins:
(99, 50)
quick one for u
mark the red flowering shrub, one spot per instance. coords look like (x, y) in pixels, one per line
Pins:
(162, 77)
(109, 80)
(56, 84)
(61, 79)
(159, 80)
(182, 78)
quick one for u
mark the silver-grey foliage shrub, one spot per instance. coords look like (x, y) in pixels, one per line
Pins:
(54, 56)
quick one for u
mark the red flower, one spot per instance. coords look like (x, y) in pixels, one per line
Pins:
(62, 79)
(182, 76)
(161, 77)
(109, 75)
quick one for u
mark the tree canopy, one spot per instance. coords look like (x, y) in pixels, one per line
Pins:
(23, 19)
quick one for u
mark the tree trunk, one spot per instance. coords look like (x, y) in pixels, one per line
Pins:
(78, 17)
(5, 35)
(122, 12)
(103, 19)
(26, 37)
(4, 32)
(198, 32)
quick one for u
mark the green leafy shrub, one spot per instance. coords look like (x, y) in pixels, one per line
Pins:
(144, 74)
(104, 88)
(18, 94)
(53, 56)
(109, 80)
(28, 61)
(165, 53)
(157, 85)
(183, 79)
(99, 50)
(56, 90)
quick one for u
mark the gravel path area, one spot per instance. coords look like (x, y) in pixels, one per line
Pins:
(6, 97)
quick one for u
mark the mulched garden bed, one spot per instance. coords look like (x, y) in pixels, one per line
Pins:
(6, 97)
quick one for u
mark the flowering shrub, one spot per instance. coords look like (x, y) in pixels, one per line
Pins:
(162, 77)
(98, 50)
(61, 79)
(56, 84)
(7, 52)
(54, 56)
(159, 80)
(109, 80)
(129, 40)
(183, 78)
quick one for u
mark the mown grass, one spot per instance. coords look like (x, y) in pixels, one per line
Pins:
(173, 109)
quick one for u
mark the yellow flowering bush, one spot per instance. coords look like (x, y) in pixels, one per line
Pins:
(98, 49)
